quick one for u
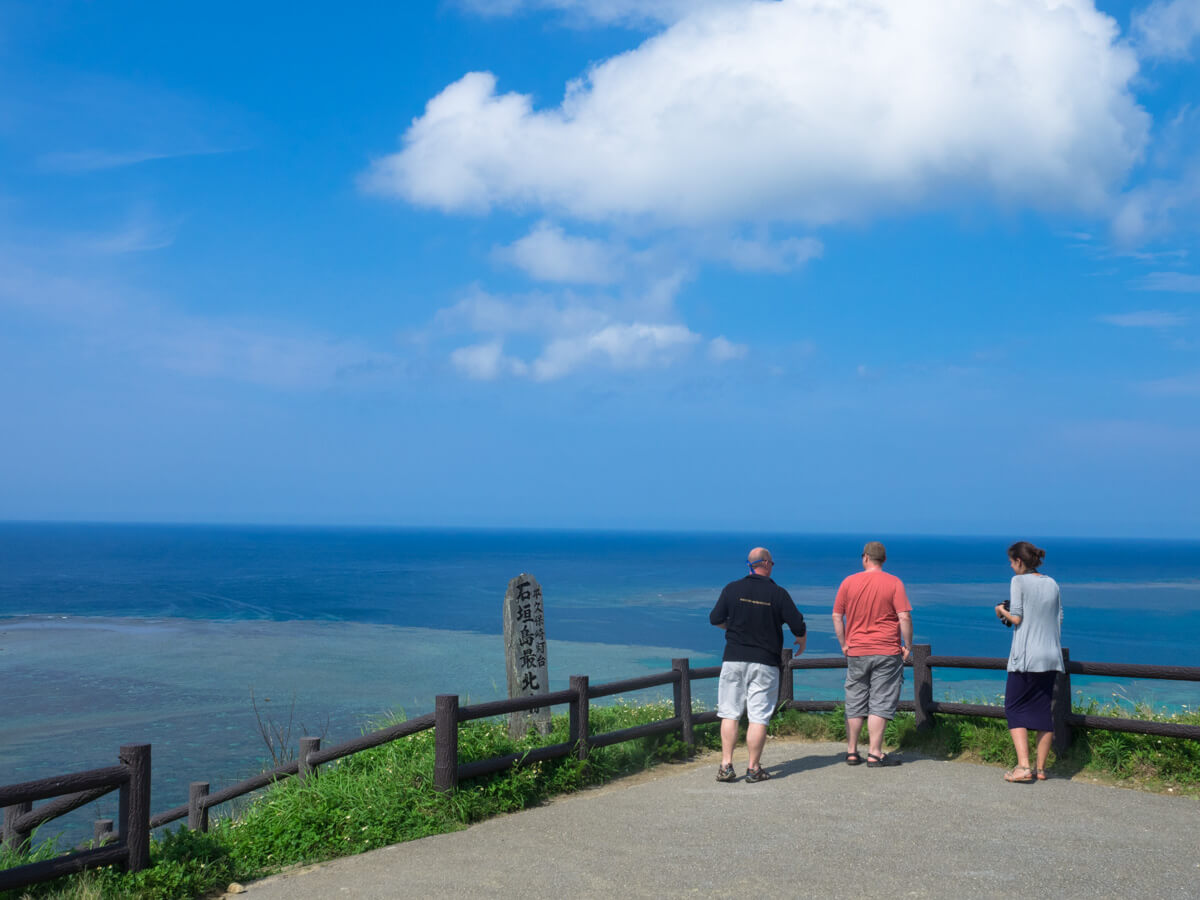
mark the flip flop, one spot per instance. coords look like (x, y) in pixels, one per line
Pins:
(1012, 778)
(853, 759)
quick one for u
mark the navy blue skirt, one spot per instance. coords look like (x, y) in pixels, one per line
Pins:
(1027, 700)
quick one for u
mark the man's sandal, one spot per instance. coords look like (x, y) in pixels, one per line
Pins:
(883, 759)
(852, 758)
(1013, 777)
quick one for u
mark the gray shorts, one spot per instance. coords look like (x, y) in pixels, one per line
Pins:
(873, 685)
(747, 687)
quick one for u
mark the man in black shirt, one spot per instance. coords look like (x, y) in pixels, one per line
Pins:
(752, 612)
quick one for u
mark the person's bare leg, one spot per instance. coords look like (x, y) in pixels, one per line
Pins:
(876, 725)
(756, 737)
(853, 731)
(1020, 739)
(1044, 739)
(729, 730)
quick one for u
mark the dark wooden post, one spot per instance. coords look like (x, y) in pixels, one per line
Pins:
(16, 840)
(135, 827)
(445, 742)
(307, 745)
(922, 686)
(579, 716)
(1060, 706)
(102, 832)
(787, 685)
(683, 701)
(197, 811)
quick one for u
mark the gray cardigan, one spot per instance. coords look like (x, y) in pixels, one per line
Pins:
(1037, 641)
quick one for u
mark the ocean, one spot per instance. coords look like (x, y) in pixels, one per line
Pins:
(172, 635)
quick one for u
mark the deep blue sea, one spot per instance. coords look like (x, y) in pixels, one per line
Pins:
(113, 634)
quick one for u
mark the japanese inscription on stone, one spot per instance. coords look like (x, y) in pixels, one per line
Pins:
(525, 652)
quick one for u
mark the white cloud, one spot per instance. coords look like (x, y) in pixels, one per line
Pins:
(630, 346)
(485, 362)
(1167, 29)
(799, 111)
(721, 349)
(1149, 318)
(547, 253)
(565, 333)
(768, 256)
(1174, 282)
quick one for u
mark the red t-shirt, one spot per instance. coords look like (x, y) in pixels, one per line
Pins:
(871, 600)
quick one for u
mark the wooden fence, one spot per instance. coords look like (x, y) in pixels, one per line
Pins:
(132, 776)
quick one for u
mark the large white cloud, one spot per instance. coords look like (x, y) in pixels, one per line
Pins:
(799, 111)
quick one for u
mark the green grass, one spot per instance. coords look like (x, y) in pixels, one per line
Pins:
(385, 795)
(1164, 765)
(369, 800)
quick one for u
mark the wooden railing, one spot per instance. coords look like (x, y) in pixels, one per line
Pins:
(132, 847)
(132, 777)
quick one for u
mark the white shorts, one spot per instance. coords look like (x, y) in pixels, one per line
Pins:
(747, 687)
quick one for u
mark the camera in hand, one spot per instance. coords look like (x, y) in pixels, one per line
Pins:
(1007, 624)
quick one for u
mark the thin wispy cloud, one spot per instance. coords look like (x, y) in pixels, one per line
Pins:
(113, 320)
(631, 12)
(1175, 386)
(84, 161)
(1167, 29)
(1171, 282)
(1150, 318)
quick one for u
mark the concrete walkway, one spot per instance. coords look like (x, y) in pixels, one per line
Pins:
(818, 828)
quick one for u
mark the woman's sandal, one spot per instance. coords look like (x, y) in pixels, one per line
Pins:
(1040, 773)
(1012, 777)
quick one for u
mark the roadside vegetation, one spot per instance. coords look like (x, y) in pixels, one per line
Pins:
(385, 795)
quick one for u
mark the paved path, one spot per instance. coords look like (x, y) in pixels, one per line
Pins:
(818, 828)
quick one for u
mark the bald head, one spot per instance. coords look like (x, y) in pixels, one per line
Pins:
(760, 561)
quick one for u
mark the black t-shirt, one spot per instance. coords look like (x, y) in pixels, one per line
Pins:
(753, 610)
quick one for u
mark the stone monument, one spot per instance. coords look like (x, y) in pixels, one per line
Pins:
(525, 652)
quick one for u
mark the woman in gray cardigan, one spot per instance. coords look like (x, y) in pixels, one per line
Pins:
(1035, 612)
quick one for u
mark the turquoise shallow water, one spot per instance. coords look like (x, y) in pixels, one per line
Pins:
(123, 634)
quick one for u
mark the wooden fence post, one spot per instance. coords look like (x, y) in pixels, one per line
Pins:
(102, 832)
(1060, 706)
(17, 841)
(580, 726)
(307, 745)
(922, 686)
(197, 811)
(445, 742)
(683, 701)
(787, 685)
(135, 827)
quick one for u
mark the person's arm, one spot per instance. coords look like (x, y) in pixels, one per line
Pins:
(795, 621)
(905, 634)
(1016, 610)
(839, 628)
(720, 613)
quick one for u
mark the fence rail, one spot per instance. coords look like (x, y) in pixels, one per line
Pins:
(132, 776)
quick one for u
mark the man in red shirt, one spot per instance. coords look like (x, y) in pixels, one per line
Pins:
(873, 622)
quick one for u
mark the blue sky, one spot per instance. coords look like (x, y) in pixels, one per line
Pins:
(716, 264)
